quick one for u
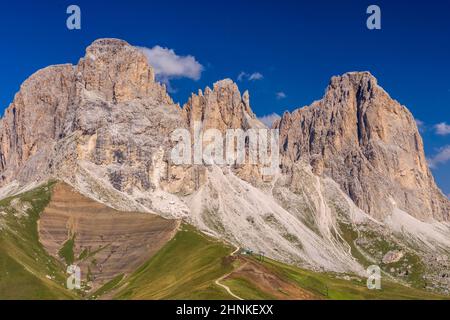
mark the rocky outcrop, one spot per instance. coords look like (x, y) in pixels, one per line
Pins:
(33, 122)
(221, 108)
(392, 256)
(118, 72)
(224, 108)
(107, 111)
(369, 144)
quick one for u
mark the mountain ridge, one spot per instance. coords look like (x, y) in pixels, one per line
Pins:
(104, 127)
(357, 118)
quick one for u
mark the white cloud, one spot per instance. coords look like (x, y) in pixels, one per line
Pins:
(442, 129)
(281, 95)
(250, 76)
(255, 76)
(441, 157)
(269, 119)
(241, 76)
(168, 65)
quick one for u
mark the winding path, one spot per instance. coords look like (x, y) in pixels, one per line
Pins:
(226, 275)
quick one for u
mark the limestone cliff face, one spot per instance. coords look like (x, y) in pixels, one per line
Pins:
(107, 111)
(369, 144)
(221, 108)
(34, 121)
(224, 108)
(119, 72)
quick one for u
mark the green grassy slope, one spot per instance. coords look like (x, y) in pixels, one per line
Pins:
(185, 268)
(379, 244)
(329, 286)
(26, 270)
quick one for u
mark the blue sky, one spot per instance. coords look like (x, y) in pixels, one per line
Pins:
(296, 46)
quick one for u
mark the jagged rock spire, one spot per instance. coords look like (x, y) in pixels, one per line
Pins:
(221, 108)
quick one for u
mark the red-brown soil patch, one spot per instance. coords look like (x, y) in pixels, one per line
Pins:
(110, 242)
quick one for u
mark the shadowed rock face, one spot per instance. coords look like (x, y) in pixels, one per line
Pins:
(107, 242)
(33, 122)
(369, 144)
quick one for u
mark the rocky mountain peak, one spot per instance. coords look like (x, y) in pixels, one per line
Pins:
(110, 45)
(118, 72)
(225, 83)
(76, 101)
(361, 85)
(221, 108)
(355, 78)
(368, 143)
